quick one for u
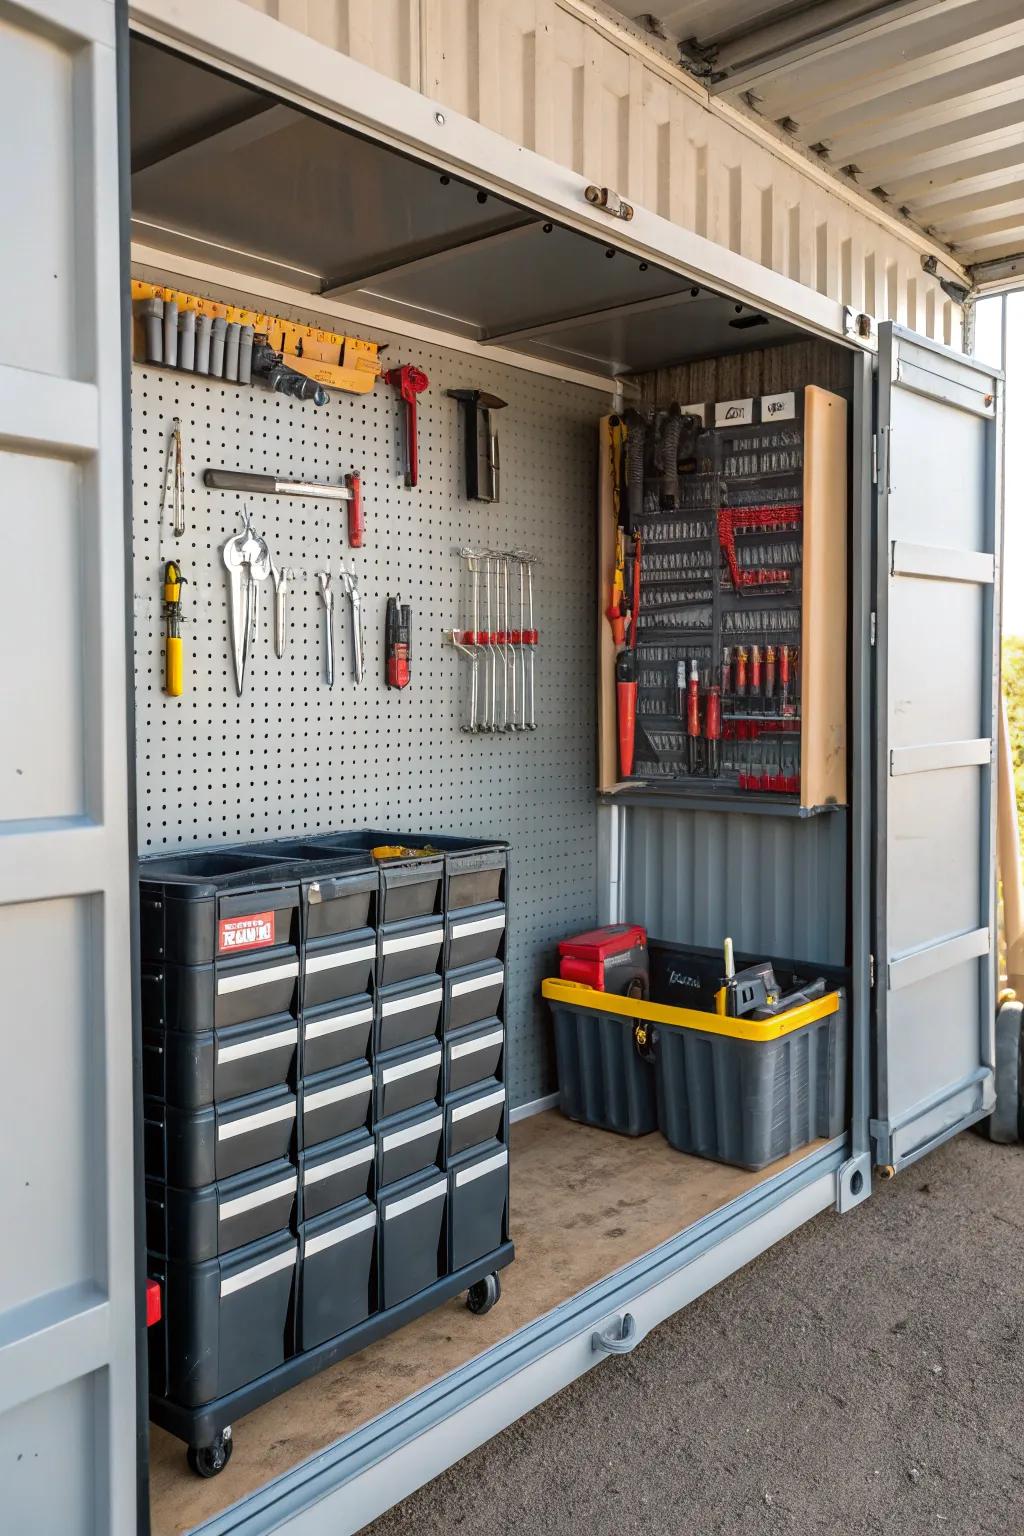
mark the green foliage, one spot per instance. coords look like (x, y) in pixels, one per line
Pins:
(1013, 691)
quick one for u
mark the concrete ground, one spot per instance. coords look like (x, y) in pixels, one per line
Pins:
(865, 1375)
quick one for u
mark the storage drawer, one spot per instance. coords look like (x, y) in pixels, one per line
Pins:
(412, 949)
(408, 1144)
(195, 907)
(336, 1035)
(332, 971)
(193, 1147)
(334, 1103)
(190, 1070)
(412, 889)
(412, 1236)
(473, 1117)
(337, 1173)
(338, 1286)
(408, 1012)
(195, 998)
(226, 1322)
(474, 995)
(340, 903)
(477, 1204)
(473, 1055)
(197, 1224)
(475, 879)
(476, 935)
(407, 1078)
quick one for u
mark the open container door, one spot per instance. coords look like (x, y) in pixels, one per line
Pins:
(939, 526)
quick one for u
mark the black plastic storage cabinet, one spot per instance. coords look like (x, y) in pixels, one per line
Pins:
(324, 1105)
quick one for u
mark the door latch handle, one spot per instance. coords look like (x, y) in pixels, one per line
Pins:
(617, 1338)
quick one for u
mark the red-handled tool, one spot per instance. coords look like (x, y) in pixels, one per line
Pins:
(397, 624)
(410, 382)
(356, 523)
(739, 672)
(769, 674)
(713, 730)
(755, 670)
(785, 706)
(626, 677)
(726, 671)
(692, 718)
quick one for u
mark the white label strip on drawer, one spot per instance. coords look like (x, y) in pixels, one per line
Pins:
(489, 1165)
(407, 1068)
(410, 1202)
(246, 979)
(339, 958)
(230, 1283)
(248, 1123)
(317, 1027)
(257, 1197)
(476, 983)
(339, 1234)
(413, 941)
(478, 925)
(486, 1101)
(323, 1171)
(404, 1004)
(413, 1133)
(269, 1042)
(338, 1092)
(481, 1043)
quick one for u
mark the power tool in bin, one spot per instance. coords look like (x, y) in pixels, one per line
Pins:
(612, 959)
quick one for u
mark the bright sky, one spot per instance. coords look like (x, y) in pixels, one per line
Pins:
(987, 346)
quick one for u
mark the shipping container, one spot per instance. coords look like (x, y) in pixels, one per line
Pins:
(311, 1097)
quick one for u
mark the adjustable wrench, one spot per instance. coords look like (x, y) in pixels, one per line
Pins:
(282, 577)
(327, 597)
(350, 582)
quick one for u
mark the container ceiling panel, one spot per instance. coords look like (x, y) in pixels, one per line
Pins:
(919, 102)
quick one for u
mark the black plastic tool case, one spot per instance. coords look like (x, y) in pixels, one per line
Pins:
(298, 1193)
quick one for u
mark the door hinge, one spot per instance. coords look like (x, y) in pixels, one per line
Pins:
(871, 972)
(873, 628)
(874, 458)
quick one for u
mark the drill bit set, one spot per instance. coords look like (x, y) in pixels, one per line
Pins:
(707, 595)
(499, 641)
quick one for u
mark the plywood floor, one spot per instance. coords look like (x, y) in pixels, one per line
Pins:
(584, 1203)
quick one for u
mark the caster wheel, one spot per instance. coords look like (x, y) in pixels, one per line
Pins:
(209, 1460)
(485, 1294)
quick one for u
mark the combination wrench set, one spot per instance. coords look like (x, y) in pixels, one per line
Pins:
(248, 563)
(500, 641)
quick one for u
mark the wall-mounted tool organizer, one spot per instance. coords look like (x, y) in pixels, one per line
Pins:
(326, 1109)
(732, 682)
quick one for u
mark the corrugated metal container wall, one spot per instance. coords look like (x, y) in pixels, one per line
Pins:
(547, 78)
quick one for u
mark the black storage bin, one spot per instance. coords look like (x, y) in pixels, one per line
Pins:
(193, 1147)
(337, 1035)
(477, 1204)
(407, 1078)
(411, 1011)
(194, 1069)
(412, 1236)
(476, 877)
(232, 991)
(338, 1284)
(408, 1144)
(195, 907)
(474, 994)
(475, 936)
(337, 1172)
(473, 1054)
(198, 1224)
(602, 1079)
(338, 903)
(334, 1103)
(225, 1322)
(409, 950)
(473, 1117)
(333, 969)
(411, 885)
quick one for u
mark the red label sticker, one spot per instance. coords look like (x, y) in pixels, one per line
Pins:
(253, 932)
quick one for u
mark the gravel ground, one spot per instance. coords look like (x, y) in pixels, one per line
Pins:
(865, 1375)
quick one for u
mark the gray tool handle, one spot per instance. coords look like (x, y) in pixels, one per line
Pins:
(204, 326)
(187, 340)
(245, 355)
(217, 347)
(280, 621)
(152, 312)
(170, 333)
(269, 485)
(231, 351)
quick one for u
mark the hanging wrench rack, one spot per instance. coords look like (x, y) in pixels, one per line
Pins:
(499, 641)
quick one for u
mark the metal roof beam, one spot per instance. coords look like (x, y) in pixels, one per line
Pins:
(999, 276)
(528, 329)
(421, 258)
(255, 120)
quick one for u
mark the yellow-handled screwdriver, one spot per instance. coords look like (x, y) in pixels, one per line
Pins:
(174, 669)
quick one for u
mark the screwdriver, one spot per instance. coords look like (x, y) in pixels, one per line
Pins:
(713, 730)
(681, 689)
(740, 672)
(769, 674)
(755, 671)
(726, 671)
(784, 679)
(174, 665)
(692, 718)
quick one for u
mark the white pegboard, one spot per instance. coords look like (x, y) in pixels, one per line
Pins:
(292, 755)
